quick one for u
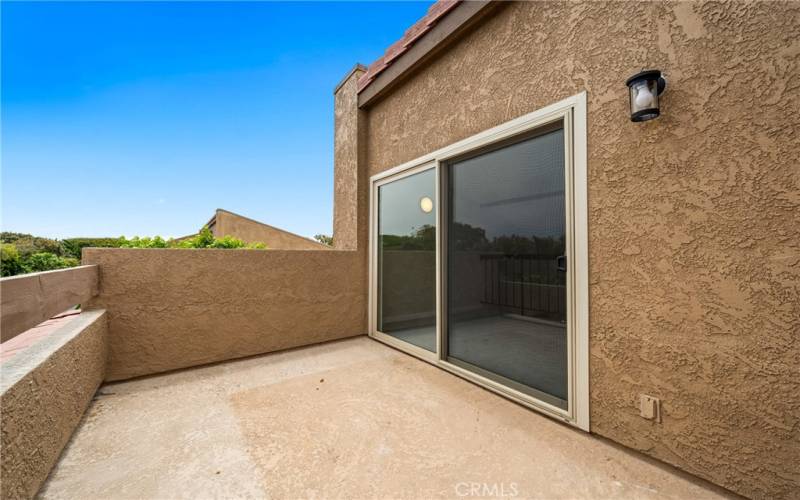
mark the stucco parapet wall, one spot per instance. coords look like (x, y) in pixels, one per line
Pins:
(29, 299)
(44, 392)
(175, 308)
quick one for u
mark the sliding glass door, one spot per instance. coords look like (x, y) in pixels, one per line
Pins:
(506, 252)
(479, 259)
(506, 272)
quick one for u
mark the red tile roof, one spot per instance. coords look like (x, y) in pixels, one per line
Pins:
(436, 12)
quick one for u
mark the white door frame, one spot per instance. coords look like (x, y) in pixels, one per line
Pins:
(572, 111)
(373, 262)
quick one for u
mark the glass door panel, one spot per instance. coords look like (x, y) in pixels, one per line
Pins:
(506, 266)
(407, 259)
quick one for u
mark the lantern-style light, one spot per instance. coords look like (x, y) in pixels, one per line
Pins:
(644, 89)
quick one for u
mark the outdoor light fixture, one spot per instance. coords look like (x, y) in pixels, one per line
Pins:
(644, 88)
(426, 204)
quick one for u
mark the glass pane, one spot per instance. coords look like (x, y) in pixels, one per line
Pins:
(507, 301)
(407, 259)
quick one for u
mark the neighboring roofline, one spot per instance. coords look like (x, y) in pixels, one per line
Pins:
(181, 238)
(356, 67)
(446, 28)
(271, 227)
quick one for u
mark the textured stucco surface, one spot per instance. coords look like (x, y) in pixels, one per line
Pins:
(45, 390)
(248, 230)
(693, 237)
(29, 299)
(174, 308)
(350, 185)
(327, 421)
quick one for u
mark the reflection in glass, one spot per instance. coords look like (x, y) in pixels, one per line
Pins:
(407, 259)
(507, 301)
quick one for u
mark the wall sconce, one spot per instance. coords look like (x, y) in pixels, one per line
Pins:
(426, 204)
(644, 89)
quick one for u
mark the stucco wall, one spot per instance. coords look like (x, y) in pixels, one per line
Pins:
(231, 224)
(45, 390)
(174, 308)
(350, 184)
(694, 244)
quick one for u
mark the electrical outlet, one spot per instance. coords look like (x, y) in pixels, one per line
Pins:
(650, 408)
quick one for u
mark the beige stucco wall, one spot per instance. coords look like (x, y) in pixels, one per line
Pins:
(45, 390)
(29, 299)
(694, 244)
(175, 308)
(250, 231)
(350, 188)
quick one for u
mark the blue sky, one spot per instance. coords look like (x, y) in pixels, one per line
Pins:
(142, 118)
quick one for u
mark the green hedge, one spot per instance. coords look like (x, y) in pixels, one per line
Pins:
(203, 239)
(28, 245)
(22, 253)
(72, 246)
(13, 263)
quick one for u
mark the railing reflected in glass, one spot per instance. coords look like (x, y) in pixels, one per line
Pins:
(507, 265)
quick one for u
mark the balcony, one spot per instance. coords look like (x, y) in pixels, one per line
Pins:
(347, 418)
(343, 419)
(236, 373)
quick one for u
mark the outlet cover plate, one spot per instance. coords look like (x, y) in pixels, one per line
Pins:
(650, 408)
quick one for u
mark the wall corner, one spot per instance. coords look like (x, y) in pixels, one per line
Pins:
(349, 191)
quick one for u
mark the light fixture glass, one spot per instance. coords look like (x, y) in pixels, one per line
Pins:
(426, 204)
(644, 89)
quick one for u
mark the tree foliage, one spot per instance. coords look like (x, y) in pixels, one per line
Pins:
(423, 238)
(324, 239)
(13, 263)
(44, 261)
(204, 239)
(72, 247)
(22, 253)
(10, 261)
(146, 242)
(467, 238)
(27, 244)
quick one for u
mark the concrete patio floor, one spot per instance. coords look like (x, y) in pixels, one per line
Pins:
(346, 419)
